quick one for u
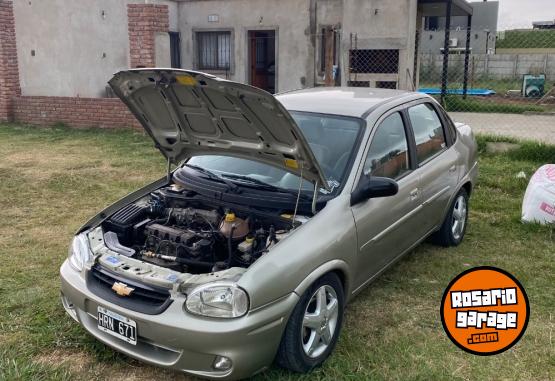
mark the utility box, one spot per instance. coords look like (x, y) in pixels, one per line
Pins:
(533, 86)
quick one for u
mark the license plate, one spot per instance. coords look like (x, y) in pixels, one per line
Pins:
(116, 325)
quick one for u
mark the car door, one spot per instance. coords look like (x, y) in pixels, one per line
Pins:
(385, 226)
(437, 163)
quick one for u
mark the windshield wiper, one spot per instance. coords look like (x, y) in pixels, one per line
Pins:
(261, 184)
(211, 175)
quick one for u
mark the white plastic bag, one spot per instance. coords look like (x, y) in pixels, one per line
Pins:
(539, 201)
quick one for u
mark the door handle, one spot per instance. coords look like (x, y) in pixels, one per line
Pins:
(414, 194)
(453, 169)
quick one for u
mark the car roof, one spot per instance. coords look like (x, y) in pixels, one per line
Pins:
(348, 101)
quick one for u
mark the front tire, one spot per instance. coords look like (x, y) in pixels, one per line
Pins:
(313, 328)
(453, 229)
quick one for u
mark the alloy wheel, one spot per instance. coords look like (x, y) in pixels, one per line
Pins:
(459, 218)
(320, 321)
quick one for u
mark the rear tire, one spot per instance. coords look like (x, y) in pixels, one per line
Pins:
(453, 229)
(313, 328)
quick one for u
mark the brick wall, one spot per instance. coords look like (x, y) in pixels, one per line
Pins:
(9, 73)
(75, 112)
(143, 21)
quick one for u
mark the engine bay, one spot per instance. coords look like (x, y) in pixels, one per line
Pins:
(174, 230)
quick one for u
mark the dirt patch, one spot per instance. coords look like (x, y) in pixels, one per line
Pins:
(76, 362)
(142, 372)
(500, 147)
(85, 363)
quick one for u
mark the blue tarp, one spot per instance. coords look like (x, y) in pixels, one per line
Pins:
(437, 91)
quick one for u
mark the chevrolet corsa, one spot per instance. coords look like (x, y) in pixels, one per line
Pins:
(274, 213)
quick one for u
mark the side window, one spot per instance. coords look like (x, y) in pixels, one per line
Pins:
(389, 154)
(428, 131)
(450, 125)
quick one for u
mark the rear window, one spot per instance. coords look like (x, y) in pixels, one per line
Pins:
(428, 131)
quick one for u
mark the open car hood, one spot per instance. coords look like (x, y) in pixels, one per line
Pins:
(189, 113)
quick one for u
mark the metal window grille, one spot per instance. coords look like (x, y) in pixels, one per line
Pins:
(376, 61)
(214, 50)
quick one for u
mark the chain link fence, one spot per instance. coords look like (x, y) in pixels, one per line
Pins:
(500, 83)
(505, 85)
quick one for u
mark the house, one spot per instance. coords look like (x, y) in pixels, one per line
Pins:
(57, 56)
(483, 30)
(544, 24)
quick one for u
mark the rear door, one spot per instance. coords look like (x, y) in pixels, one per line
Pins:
(436, 161)
(385, 226)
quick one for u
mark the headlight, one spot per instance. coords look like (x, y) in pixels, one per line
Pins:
(220, 300)
(79, 251)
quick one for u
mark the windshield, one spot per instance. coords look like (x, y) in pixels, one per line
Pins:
(333, 139)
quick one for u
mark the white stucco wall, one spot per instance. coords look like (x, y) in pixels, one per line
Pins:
(381, 24)
(290, 18)
(70, 39)
(77, 49)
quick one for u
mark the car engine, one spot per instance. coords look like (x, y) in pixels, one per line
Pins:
(170, 230)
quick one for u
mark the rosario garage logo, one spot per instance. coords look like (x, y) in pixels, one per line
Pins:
(485, 311)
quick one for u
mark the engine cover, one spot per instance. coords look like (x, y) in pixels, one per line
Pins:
(170, 233)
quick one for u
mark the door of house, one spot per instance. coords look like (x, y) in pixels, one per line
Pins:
(262, 59)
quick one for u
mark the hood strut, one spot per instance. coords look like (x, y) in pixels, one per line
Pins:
(316, 185)
(298, 195)
(169, 173)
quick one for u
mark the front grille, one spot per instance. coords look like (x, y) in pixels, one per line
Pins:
(146, 299)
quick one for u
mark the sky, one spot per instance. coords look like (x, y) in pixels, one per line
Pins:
(520, 13)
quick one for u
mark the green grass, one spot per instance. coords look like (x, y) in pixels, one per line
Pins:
(526, 39)
(53, 179)
(500, 86)
(458, 103)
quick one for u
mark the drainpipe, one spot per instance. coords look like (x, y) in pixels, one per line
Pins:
(312, 27)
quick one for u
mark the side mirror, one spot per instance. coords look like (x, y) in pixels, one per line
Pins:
(374, 187)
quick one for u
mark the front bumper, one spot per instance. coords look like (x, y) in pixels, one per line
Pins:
(178, 340)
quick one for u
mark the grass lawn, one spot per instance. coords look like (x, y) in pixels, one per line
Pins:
(454, 103)
(527, 39)
(53, 179)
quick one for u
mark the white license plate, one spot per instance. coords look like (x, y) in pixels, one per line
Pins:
(117, 325)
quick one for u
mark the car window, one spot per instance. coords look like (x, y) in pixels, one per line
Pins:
(388, 155)
(333, 139)
(428, 131)
(450, 125)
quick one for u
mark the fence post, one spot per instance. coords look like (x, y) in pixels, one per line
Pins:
(445, 69)
(467, 56)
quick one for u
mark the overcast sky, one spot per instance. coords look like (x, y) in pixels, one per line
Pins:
(521, 13)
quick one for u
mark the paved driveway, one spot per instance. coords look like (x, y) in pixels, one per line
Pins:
(535, 127)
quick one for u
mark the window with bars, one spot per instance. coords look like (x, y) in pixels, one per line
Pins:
(379, 61)
(213, 50)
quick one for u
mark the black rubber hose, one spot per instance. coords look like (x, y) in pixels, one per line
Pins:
(194, 263)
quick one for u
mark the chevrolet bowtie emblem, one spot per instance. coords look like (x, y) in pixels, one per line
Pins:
(122, 289)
